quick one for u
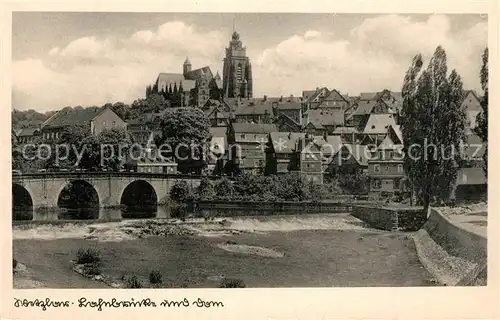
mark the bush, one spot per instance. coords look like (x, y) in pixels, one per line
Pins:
(178, 211)
(206, 189)
(89, 255)
(133, 283)
(224, 189)
(180, 191)
(355, 183)
(92, 269)
(14, 264)
(155, 277)
(231, 283)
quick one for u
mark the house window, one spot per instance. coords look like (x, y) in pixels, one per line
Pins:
(376, 168)
(242, 136)
(114, 124)
(373, 126)
(376, 184)
(400, 168)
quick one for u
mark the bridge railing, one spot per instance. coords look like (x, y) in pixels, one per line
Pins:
(100, 174)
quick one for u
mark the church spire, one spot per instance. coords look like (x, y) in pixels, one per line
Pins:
(186, 67)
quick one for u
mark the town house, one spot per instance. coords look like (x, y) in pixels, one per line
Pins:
(247, 143)
(95, 119)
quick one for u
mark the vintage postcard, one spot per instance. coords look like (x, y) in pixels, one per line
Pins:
(254, 160)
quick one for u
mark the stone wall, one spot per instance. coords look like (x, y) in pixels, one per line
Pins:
(385, 218)
(454, 255)
(251, 208)
(454, 239)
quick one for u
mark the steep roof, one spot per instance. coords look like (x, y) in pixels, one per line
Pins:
(364, 107)
(335, 95)
(257, 109)
(285, 142)
(326, 117)
(73, 116)
(199, 73)
(164, 80)
(471, 101)
(317, 94)
(379, 123)
(306, 94)
(332, 145)
(28, 132)
(254, 127)
(397, 131)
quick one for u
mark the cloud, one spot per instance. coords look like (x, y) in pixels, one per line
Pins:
(374, 55)
(92, 70)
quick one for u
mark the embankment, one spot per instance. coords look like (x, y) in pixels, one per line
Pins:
(454, 255)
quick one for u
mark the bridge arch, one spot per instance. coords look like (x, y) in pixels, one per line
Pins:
(139, 199)
(78, 199)
(22, 203)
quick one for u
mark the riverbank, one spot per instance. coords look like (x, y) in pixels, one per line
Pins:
(279, 251)
(452, 244)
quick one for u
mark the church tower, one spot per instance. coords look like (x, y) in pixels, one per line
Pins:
(186, 67)
(237, 70)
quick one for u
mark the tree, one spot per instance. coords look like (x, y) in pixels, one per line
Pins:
(108, 150)
(433, 126)
(482, 118)
(185, 132)
(122, 110)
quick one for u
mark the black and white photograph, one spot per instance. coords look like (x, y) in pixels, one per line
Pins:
(181, 150)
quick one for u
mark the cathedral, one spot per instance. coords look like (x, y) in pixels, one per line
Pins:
(196, 87)
(237, 70)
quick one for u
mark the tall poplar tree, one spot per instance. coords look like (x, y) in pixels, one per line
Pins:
(433, 126)
(482, 118)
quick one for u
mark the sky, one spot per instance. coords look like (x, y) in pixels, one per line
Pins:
(67, 59)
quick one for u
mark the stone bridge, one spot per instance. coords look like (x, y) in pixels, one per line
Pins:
(44, 189)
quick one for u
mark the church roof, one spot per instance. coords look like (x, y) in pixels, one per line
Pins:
(164, 80)
(197, 74)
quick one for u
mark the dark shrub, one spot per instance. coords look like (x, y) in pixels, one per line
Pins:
(206, 190)
(133, 283)
(231, 283)
(155, 277)
(180, 191)
(92, 269)
(88, 255)
(14, 264)
(178, 211)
